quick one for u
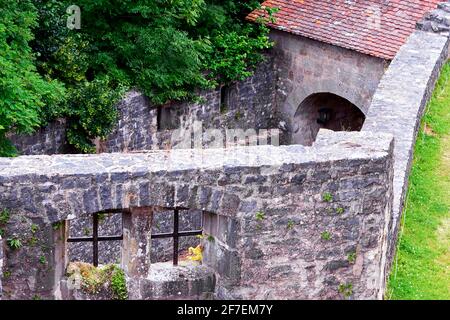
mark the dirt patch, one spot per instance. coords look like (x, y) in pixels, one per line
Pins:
(428, 131)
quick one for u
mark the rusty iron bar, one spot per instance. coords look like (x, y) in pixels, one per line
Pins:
(95, 240)
(176, 234)
(95, 237)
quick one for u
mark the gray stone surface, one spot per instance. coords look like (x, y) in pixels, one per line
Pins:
(1, 266)
(306, 67)
(262, 257)
(186, 281)
(109, 251)
(288, 222)
(399, 103)
(48, 140)
(248, 104)
(437, 20)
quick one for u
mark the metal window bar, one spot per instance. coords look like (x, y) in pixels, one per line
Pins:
(176, 234)
(95, 237)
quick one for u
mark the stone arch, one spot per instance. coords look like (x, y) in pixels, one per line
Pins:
(324, 110)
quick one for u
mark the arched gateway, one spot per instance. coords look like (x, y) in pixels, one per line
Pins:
(325, 111)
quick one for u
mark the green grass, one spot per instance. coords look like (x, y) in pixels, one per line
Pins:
(421, 268)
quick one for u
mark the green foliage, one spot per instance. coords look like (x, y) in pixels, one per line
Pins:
(57, 225)
(340, 210)
(34, 228)
(4, 217)
(346, 289)
(94, 279)
(92, 113)
(42, 260)
(420, 270)
(235, 52)
(23, 92)
(327, 197)
(351, 257)
(33, 241)
(166, 49)
(290, 224)
(326, 235)
(86, 231)
(119, 284)
(14, 243)
(260, 216)
(102, 217)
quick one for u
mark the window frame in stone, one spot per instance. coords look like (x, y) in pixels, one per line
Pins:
(176, 234)
(95, 239)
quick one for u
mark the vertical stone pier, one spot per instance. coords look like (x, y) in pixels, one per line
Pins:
(137, 224)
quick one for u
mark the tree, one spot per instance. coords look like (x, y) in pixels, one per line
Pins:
(23, 92)
(165, 48)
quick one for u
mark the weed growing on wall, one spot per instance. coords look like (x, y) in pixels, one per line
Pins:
(95, 280)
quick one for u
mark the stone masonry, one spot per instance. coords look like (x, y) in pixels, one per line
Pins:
(248, 104)
(1, 265)
(289, 222)
(306, 67)
(317, 215)
(404, 91)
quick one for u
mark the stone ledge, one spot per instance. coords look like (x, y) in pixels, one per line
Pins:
(401, 98)
(345, 147)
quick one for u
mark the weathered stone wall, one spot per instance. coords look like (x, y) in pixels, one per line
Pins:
(289, 222)
(48, 140)
(401, 98)
(337, 194)
(307, 67)
(1, 266)
(295, 69)
(248, 104)
(313, 237)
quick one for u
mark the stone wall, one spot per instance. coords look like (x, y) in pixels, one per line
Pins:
(307, 222)
(291, 222)
(248, 104)
(306, 67)
(1, 266)
(295, 69)
(401, 98)
(48, 140)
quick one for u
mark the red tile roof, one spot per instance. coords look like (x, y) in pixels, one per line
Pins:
(374, 27)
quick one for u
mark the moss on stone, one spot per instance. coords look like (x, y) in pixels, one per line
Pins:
(109, 278)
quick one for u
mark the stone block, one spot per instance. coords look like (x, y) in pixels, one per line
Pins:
(187, 282)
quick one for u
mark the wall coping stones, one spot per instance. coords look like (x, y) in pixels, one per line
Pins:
(403, 93)
(362, 145)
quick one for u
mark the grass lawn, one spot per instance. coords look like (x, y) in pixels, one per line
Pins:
(421, 269)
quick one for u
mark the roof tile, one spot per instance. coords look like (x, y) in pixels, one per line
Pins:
(374, 27)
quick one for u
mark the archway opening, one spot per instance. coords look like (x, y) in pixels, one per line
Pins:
(328, 111)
